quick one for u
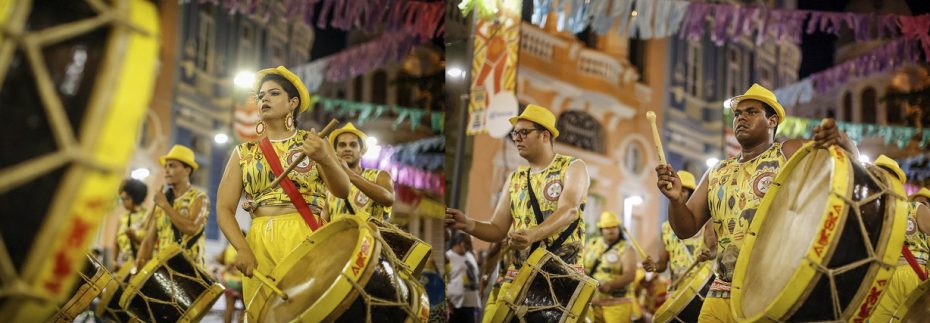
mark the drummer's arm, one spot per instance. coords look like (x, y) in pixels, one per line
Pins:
(923, 218)
(333, 174)
(686, 218)
(191, 224)
(381, 191)
(227, 196)
(577, 182)
(629, 270)
(496, 229)
(662, 264)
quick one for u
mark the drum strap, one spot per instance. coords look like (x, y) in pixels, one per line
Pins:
(287, 185)
(539, 220)
(349, 206)
(597, 262)
(913, 262)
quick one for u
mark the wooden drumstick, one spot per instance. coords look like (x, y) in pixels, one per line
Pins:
(658, 141)
(677, 281)
(267, 281)
(635, 245)
(300, 156)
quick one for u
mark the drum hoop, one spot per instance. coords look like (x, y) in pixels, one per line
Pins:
(415, 258)
(904, 308)
(582, 294)
(201, 306)
(110, 290)
(85, 295)
(680, 298)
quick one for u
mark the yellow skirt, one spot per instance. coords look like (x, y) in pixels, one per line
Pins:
(272, 238)
(903, 281)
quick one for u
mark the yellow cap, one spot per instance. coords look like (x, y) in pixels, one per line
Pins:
(348, 128)
(760, 93)
(687, 179)
(302, 92)
(539, 115)
(922, 192)
(182, 154)
(892, 165)
(608, 219)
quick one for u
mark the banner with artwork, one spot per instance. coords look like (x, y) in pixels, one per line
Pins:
(494, 70)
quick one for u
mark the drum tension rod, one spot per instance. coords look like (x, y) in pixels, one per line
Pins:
(268, 281)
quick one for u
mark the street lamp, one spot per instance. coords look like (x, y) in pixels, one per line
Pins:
(140, 173)
(244, 79)
(628, 204)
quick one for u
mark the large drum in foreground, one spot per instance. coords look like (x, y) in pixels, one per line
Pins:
(814, 249)
(686, 301)
(343, 272)
(75, 80)
(94, 277)
(546, 289)
(916, 308)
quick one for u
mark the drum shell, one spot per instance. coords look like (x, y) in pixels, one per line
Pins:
(686, 302)
(411, 250)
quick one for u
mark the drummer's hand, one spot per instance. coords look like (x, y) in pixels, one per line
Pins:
(521, 239)
(315, 147)
(161, 200)
(705, 255)
(140, 262)
(603, 286)
(649, 265)
(667, 175)
(458, 220)
(245, 262)
(827, 134)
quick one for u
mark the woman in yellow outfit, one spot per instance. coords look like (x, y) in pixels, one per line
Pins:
(917, 236)
(277, 226)
(609, 259)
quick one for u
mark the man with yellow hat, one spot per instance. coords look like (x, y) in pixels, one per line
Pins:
(731, 191)
(541, 203)
(922, 196)
(904, 279)
(678, 254)
(181, 210)
(372, 191)
(610, 260)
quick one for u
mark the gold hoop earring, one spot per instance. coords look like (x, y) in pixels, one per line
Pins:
(260, 128)
(289, 122)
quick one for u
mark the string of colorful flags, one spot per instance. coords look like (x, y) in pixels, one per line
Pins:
(362, 112)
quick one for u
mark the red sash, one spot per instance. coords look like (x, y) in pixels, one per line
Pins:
(288, 185)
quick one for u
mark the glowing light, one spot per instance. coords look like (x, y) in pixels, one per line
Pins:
(244, 79)
(140, 173)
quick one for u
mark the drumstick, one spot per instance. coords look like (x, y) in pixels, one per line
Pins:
(635, 245)
(658, 140)
(267, 281)
(678, 280)
(300, 156)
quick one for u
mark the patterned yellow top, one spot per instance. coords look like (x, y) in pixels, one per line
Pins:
(362, 205)
(167, 234)
(734, 191)
(681, 252)
(547, 185)
(917, 241)
(257, 174)
(610, 267)
(130, 220)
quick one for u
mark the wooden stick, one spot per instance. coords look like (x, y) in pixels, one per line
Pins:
(658, 141)
(267, 281)
(674, 285)
(635, 245)
(300, 156)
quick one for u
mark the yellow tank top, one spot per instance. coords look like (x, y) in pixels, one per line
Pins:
(257, 174)
(547, 185)
(362, 205)
(130, 220)
(192, 244)
(916, 240)
(681, 252)
(734, 191)
(609, 268)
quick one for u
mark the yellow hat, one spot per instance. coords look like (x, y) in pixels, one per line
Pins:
(608, 219)
(757, 92)
(922, 192)
(348, 128)
(687, 179)
(302, 92)
(182, 154)
(539, 115)
(892, 165)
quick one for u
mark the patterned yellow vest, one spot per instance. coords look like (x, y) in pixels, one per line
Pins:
(167, 235)
(734, 191)
(681, 252)
(547, 186)
(361, 204)
(257, 174)
(130, 220)
(609, 268)
(916, 240)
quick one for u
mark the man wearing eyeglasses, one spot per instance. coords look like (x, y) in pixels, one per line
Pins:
(541, 204)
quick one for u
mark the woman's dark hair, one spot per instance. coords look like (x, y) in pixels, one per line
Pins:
(136, 190)
(288, 87)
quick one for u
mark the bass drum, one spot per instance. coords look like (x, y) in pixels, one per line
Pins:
(75, 80)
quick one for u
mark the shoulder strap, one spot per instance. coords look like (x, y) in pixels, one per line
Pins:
(597, 262)
(539, 220)
(287, 185)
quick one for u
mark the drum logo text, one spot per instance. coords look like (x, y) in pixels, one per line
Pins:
(874, 293)
(361, 256)
(827, 231)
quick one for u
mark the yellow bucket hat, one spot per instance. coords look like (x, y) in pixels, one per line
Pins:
(182, 154)
(348, 128)
(687, 179)
(608, 219)
(539, 115)
(922, 192)
(302, 92)
(760, 93)
(889, 163)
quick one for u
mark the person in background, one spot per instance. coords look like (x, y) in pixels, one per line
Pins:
(131, 229)
(463, 279)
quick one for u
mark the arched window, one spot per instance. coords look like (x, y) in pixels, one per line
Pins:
(847, 107)
(869, 103)
(581, 130)
(379, 87)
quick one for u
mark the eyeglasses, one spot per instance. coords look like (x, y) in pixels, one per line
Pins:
(522, 133)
